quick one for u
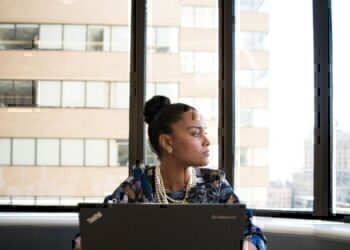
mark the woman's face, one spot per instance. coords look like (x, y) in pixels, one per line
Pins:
(189, 141)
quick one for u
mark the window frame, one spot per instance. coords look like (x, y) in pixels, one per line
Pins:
(323, 107)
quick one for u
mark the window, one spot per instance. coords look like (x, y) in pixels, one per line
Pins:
(23, 151)
(96, 152)
(252, 5)
(17, 93)
(5, 151)
(70, 78)
(98, 38)
(49, 93)
(50, 37)
(246, 78)
(48, 152)
(199, 17)
(120, 95)
(27, 36)
(72, 152)
(341, 120)
(97, 94)
(123, 153)
(74, 37)
(73, 94)
(251, 40)
(199, 62)
(7, 36)
(274, 125)
(121, 38)
(162, 40)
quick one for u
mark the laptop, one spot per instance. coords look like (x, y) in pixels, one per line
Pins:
(161, 227)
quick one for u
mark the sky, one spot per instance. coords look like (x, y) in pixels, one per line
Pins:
(291, 80)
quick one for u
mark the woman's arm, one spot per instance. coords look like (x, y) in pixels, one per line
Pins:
(253, 236)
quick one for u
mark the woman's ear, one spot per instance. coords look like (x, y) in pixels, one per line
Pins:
(165, 143)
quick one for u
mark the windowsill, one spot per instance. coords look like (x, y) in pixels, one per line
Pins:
(317, 228)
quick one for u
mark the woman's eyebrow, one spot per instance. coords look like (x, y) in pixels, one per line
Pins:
(197, 127)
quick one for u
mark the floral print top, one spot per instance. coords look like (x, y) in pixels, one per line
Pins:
(211, 187)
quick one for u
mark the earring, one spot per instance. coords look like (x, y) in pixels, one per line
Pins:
(170, 150)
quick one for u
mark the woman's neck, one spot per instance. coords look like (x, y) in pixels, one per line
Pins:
(175, 176)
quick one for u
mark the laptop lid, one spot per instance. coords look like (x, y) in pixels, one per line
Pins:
(160, 227)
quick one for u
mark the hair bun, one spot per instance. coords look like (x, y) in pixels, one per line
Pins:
(153, 106)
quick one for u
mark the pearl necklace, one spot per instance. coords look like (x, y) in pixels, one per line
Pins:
(160, 189)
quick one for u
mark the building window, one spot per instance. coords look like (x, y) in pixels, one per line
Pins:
(96, 152)
(17, 93)
(72, 152)
(74, 37)
(120, 92)
(26, 36)
(23, 151)
(121, 38)
(199, 62)
(49, 93)
(199, 17)
(98, 38)
(48, 152)
(252, 5)
(168, 89)
(251, 78)
(97, 94)
(50, 37)
(253, 157)
(7, 36)
(251, 40)
(5, 151)
(123, 153)
(253, 118)
(73, 94)
(162, 40)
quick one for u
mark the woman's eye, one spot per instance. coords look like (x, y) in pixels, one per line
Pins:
(196, 134)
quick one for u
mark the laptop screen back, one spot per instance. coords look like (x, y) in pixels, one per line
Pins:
(165, 227)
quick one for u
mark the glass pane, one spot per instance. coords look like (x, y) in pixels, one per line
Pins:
(182, 59)
(7, 36)
(121, 38)
(96, 152)
(274, 132)
(120, 95)
(74, 37)
(49, 93)
(73, 94)
(6, 94)
(72, 152)
(98, 38)
(50, 36)
(23, 151)
(70, 77)
(24, 93)
(341, 120)
(27, 36)
(48, 152)
(97, 94)
(5, 151)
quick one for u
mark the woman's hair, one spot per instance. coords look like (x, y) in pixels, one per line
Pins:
(160, 114)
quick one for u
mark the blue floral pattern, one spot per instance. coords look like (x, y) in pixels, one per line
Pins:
(211, 187)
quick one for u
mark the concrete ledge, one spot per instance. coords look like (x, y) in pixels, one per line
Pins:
(317, 228)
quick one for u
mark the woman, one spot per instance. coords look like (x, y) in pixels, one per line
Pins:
(177, 134)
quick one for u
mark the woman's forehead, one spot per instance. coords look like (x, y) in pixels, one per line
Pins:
(193, 118)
